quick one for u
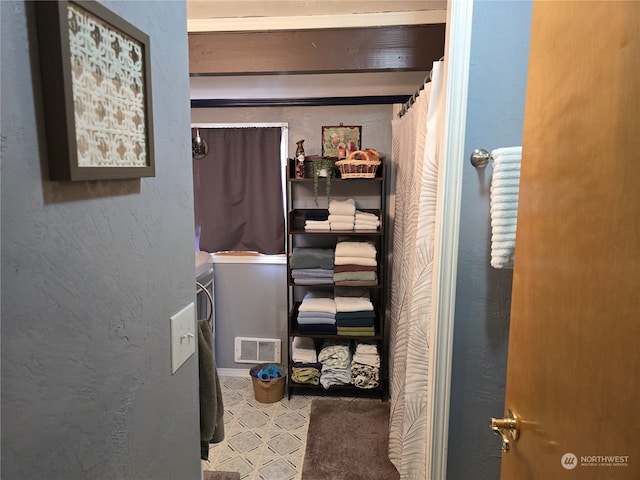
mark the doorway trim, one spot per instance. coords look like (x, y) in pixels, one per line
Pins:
(457, 54)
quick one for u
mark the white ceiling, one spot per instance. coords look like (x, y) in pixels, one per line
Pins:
(251, 15)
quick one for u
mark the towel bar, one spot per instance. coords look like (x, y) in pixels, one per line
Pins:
(480, 157)
(204, 289)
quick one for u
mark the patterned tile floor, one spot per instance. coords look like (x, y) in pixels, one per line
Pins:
(263, 441)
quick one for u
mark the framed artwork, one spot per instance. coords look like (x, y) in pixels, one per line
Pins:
(334, 137)
(96, 85)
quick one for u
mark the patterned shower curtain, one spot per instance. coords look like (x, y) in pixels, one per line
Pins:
(415, 138)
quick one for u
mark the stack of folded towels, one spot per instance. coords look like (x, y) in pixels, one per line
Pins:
(354, 312)
(317, 314)
(305, 368)
(366, 221)
(335, 357)
(312, 266)
(355, 263)
(317, 220)
(365, 365)
(342, 214)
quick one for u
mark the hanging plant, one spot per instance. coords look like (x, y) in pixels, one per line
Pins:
(319, 165)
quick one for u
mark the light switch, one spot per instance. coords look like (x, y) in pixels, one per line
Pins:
(183, 337)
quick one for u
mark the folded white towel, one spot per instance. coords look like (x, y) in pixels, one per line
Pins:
(352, 301)
(366, 226)
(303, 357)
(303, 349)
(505, 184)
(366, 359)
(366, 348)
(356, 249)
(342, 207)
(318, 305)
(346, 304)
(373, 221)
(361, 214)
(366, 354)
(341, 218)
(315, 223)
(326, 227)
(315, 302)
(342, 226)
(371, 262)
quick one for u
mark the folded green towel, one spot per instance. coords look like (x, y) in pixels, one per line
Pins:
(357, 331)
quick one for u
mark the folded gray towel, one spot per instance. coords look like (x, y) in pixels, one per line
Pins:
(312, 273)
(308, 257)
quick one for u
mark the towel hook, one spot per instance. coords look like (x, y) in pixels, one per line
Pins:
(203, 288)
(480, 157)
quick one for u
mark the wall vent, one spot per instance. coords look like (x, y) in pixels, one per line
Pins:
(257, 350)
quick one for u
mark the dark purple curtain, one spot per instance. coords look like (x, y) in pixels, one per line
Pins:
(238, 190)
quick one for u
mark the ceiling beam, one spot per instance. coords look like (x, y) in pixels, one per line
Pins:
(336, 50)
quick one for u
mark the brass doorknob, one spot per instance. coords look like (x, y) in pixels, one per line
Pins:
(508, 428)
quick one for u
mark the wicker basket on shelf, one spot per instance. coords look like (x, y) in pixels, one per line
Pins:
(359, 164)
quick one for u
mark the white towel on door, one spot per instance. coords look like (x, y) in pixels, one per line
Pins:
(505, 184)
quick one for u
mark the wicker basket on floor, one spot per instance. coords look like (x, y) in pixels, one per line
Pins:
(268, 391)
(359, 164)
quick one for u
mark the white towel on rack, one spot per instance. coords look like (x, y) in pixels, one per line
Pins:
(318, 302)
(344, 207)
(355, 249)
(505, 185)
(341, 218)
(352, 300)
(304, 350)
(360, 215)
(342, 226)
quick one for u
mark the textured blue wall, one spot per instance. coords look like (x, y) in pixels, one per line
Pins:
(91, 273)
(495, 113)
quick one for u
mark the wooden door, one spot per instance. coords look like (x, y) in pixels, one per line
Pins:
(573, 371)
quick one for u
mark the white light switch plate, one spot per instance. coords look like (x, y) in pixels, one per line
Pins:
(183, 337)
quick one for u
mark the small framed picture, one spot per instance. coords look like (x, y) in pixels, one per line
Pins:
(97, 92)
(335, 137)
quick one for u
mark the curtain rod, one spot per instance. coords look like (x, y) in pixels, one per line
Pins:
(297, 102)
(412, 99)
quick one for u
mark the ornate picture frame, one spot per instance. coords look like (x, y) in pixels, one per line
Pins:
(350, 138)
(96, 85)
